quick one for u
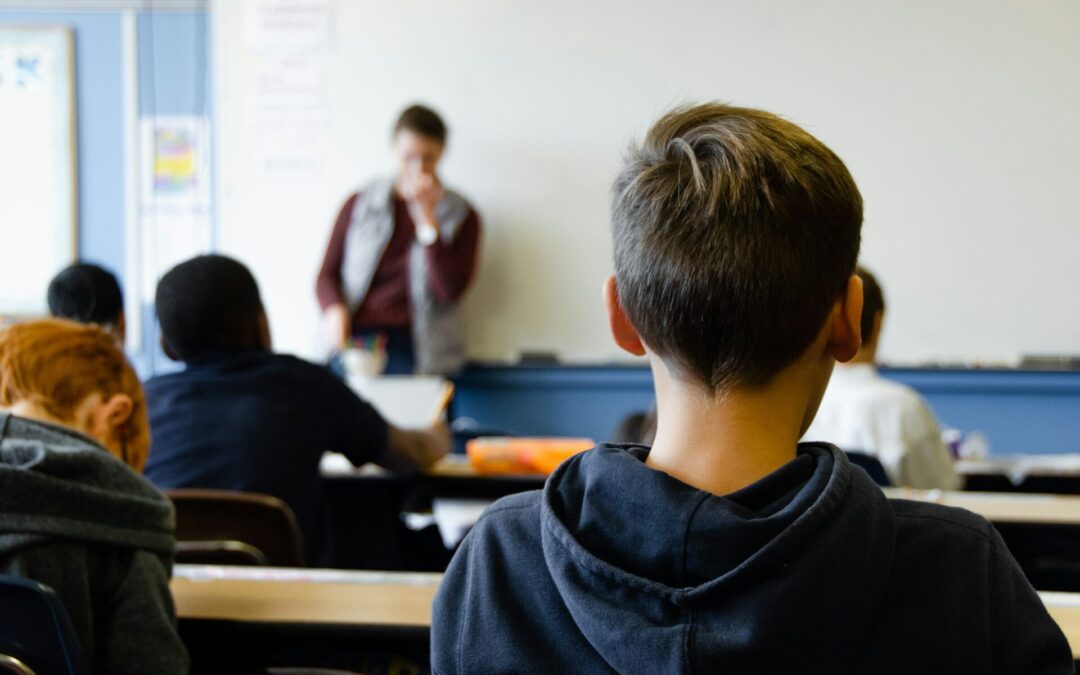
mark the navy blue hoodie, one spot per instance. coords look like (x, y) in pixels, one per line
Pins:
(616, 567)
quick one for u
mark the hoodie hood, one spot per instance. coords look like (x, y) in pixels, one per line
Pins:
(667, 575)
(58, 484)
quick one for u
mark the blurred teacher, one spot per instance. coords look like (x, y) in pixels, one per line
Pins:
(401, 255)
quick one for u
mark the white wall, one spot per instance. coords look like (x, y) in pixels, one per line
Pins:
(957, 119)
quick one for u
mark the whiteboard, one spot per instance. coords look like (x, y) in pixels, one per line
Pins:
(957, 120)
(37, 164)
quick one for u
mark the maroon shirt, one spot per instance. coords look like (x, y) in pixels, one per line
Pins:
(450, 268)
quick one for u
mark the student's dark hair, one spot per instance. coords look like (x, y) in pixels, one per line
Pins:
(208, 304)
(86, 293)
(735, 231)
(422, 120)
(873, 301)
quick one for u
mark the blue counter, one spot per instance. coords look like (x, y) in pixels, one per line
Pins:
(1019, 411)
(553, 400)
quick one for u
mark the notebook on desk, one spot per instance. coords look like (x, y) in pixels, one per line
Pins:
(406, 401)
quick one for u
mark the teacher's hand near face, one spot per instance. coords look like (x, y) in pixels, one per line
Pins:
(426, 193)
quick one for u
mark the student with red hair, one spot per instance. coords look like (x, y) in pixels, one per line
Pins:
(75, 513)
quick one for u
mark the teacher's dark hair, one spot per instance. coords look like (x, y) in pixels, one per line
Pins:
(735, 232)
(422, 120)
(209, 304)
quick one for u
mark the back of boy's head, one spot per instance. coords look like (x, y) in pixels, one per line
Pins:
(206, 305)
(735, 232)
(86, 293)
(873, 302)
(56, 364)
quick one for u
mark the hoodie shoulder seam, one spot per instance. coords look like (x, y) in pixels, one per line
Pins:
(499, 508)
(496, 508)
(915, 516)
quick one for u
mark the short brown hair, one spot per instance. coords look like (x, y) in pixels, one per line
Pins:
(56, 364)
(735, 231)
(873, 301)
(422, 120)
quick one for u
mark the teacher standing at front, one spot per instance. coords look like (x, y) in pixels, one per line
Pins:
(401, 255)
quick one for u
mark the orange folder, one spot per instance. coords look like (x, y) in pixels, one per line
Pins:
(522, 455)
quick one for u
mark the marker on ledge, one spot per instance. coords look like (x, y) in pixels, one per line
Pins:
(538, 358)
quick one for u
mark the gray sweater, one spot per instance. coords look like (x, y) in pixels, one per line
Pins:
(75, 518)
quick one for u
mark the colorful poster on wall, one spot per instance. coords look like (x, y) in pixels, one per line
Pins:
(175, 222)
(174, 161)
(175, 164)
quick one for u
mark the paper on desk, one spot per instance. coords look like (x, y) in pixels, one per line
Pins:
(337, 464)
(455, 517)
(1018, 468)
(406, 401)
(1059, 599)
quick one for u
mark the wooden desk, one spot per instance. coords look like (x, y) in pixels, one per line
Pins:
(1065, 608)
(1058, 474)
(1003, 507)
(365, 600)
(446, 472)
(1052, 515)
(1020, 466)
(377, 539)
(300, 596)
(236, 619)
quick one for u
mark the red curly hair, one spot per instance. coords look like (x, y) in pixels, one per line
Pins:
(56, 364)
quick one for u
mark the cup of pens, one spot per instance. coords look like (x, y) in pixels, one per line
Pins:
(365, 357)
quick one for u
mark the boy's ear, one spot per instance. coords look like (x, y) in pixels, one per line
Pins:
(624, 333)
(845, 338)
(110, 415)
(168, 350)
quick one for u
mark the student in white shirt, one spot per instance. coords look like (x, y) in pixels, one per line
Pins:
(864, 412)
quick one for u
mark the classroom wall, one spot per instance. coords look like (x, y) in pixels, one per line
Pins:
(173, 78)
(100, 118)
(956, 119)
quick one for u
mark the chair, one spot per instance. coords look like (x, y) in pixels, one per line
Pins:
(870, 465)
(223, 527)
(36, 636)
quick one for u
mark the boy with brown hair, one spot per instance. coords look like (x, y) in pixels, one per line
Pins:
(863, 411)
(728, 546)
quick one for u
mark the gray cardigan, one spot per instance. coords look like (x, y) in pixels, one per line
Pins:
(438, 328)
(76, 519)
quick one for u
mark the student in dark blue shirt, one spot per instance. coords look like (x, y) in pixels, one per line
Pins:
(728, 547)
(240, 417)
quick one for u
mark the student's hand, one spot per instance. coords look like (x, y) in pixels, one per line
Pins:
(426, 193)
(338, 325)
(410, 449)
